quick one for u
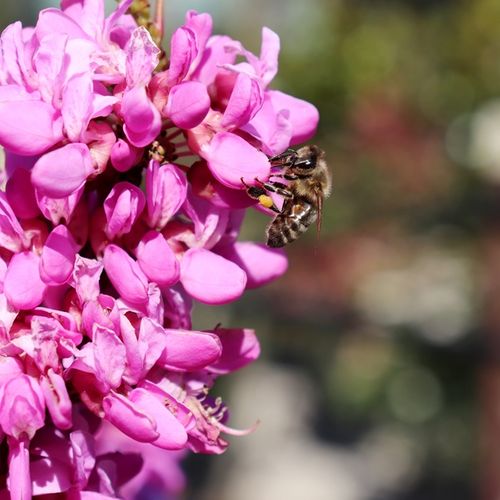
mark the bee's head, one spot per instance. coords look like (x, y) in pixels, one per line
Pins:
(307, 158)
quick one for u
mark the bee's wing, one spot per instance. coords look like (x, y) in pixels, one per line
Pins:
(319, 199)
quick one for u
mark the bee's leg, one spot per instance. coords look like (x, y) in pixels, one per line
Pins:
(259, 193)
(288, 152)
(276, 187)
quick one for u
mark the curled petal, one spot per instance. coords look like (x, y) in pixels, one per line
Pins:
(188, 104)
(260, 263)
(303, 116)
(240, 347)
(125, 275)
(157, 259)
(23, 286)
(210, 278)
(86, 275)
(142, 119)
(62, 171)
(172, 434)
(129, 418)
(183, 51)
(166, 189)
(109, 356)
(11, 232)
(231, 158)
(57, 399)
(124, 156)
(245, 101)
(58, 256)
(269, 52)
(190, 350)
(122, 207)
(19, 480)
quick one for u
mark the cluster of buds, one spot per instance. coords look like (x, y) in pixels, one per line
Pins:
(123, 203)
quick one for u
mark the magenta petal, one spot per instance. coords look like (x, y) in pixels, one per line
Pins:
(21, 195)
(269, 55)
(157, 259)
(188, 104)
(129, 418)
(240, 347)
(172, 434)
(210, 278)
(166, 189)
(122, 207)
(61, 172)
(77, 105)
(124, 156)
(11, 232)
(246, 99)
(303, 116)
(190, 350)
(19, 480)
(58, 256)
(23, 286)
(109, 356)
(142, 119)
(22, 407)
(183, 51)
(260, 263)
(221, 154)
(57, 399)
(271, 127)
(125, 275)
(27, 126)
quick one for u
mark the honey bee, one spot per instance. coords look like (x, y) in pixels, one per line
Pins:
(309, 183)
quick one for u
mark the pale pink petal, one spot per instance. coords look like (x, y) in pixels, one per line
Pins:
(142, 119)
(240, 347)
(260, 263)
(86, 275)
(59, 210)
(55, 21)
(58, 257)
(62, 171)
(190, 350)
(23, 286)
(188, 104)
(125, 275)
(157, 259)
(269, 52)
(142, 57)
(231, 158)
(100, 139)
(210, 278)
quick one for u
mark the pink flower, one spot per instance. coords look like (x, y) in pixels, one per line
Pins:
(123, 206)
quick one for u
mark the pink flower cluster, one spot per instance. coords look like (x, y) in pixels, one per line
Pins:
(123, 204)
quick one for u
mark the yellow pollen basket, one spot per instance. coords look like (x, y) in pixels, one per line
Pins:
(266, 201)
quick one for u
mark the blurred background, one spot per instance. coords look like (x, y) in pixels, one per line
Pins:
(380, 373)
